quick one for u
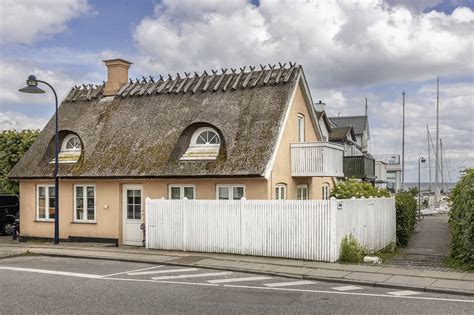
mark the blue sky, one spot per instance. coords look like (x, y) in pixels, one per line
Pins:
(349, 50)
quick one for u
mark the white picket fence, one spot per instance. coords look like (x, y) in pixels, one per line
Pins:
(311, 229)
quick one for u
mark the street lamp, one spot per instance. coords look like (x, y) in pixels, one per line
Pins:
(32, 87)
(420, 160)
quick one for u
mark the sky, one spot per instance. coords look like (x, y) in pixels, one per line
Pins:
(349, 50)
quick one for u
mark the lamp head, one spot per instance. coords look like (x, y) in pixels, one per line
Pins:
(422, 159)
(31, 86)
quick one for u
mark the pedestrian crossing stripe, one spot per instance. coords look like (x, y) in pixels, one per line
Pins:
(403, 293)
(161, 271)
(199, 275)
(238, 279)
(347, 288)
(287, 284)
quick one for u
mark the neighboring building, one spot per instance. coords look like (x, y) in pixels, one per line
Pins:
(360, 125)
(380, 174)
(394, 170)
(357, 162)
(251, 134)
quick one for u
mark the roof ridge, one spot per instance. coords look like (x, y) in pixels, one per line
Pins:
(241, 78)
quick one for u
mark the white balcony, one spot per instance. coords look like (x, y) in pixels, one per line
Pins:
(316, 159)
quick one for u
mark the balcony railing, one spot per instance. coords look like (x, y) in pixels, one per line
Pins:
(362, 167)
(316, 159)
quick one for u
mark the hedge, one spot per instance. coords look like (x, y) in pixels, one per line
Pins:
(461, 219)
(352, 188)
(405, 205)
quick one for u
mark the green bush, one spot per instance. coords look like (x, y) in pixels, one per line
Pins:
(405, 205)
(351, 250)
(461, 220)
(352, 188)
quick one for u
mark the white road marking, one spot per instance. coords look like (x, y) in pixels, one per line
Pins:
(347, 288)
(167, 282)
(129, 271)
(287, 284)
(199, 275)
(163, 271)
(53, 272)
(403, 293)
(239, 279)
(350, 293)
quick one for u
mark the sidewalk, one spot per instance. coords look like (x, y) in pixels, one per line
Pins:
(385, 276)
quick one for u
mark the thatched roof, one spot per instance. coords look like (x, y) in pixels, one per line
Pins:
(146, 127)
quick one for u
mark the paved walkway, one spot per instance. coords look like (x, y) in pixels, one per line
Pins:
(429, 245)
(386, 276)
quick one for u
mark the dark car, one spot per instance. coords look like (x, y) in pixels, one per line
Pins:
(9, 212)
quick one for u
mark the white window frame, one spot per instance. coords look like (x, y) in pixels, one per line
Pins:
(231, 190)
(181, 190)
(326, 191)
(301, 187)
(300, 127)
(66, 140)
(46, 203)
(84, 203)
(198, 132)
(278, 191)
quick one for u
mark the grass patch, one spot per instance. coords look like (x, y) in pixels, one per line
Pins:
(28, 253)
(450, 262)
(351, 250)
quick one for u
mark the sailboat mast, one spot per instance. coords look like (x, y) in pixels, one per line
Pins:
(429, 156)
(441, 161)
(403, 141)
(437, 144)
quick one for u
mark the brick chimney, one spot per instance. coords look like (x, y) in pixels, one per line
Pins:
(117, 75)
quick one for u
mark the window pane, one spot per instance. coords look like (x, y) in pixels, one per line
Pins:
(79, 191)
(175, 193)
(189, 192)
(90, 214)
(138, 199)
(237, 193)
(90, 191)
(41, 192)
(130, 212)
(298, 193)
(51, 211)
(51, 192)
(138, 212)
(223, 193)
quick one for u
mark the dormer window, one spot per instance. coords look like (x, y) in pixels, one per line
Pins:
(70, 151)
(71, 143)
(204, 145)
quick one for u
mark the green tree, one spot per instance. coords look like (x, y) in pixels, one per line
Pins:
(13, 144)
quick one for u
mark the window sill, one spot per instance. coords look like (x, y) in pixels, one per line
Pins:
(83, 222)
(44, 221)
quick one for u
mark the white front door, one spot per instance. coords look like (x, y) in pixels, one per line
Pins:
(132, 204)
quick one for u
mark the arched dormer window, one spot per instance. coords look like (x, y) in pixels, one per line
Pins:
(71, 143)
(70, 150)
(204, 145)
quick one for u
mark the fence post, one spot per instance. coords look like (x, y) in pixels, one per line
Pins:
(147, 223)
(334, 248)
(183, 221)
(242, 234)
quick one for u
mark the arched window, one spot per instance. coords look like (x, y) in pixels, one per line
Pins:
(205, 136)
(326, 191)
(71, 143)
(204, 145)
(280, 191)
(70, 151)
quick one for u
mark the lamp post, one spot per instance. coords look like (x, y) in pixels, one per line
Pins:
(32, 87)
(420, 160)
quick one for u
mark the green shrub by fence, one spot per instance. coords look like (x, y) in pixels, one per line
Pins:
(461, 220)
(405, 205)
(352, 188)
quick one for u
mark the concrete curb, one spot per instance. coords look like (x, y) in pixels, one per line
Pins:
(260, 272)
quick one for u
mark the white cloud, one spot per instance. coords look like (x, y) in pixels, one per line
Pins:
(13, 120)
(340, 43)
(26, 21)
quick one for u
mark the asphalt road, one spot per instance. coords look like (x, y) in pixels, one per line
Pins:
(35, 284)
